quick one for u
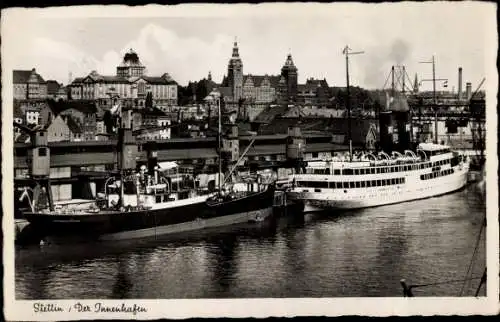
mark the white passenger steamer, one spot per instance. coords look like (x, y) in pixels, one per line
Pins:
(373, 180)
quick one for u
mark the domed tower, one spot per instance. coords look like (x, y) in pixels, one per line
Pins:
(235, 74)
(289, 71)
(131, 66)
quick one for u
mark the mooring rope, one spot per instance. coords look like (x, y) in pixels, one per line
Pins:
(446, 282)
(469, 268)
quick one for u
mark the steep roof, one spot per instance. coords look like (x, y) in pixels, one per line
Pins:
(22, 76)
(165, 79)
(107, 79)
(334, 126)
(53, 87)
(258, 79)
(270, 113)
(161, 80)
(273, 79)
(281, 125)
(151, 112)
(77, 81)
(317, 83)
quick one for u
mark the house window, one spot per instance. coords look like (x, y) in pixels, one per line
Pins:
(141, 88)
(315, 154)
(42, 152)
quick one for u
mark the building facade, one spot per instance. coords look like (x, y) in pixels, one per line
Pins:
(315, 92)
(235, 74)
(58, 130)
(28, 84)
(129, 86)
(288, 81)
(259, 90)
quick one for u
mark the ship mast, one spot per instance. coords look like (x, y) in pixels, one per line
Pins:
(219, 142)
(214, 95)
(434, 105)
(347, 52)
(434, 100)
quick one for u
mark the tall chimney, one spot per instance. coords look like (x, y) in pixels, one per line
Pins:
(393, 84)
(404, 74)
(460, 83)
(468, 90)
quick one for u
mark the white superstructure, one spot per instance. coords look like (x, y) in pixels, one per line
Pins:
(370, 180)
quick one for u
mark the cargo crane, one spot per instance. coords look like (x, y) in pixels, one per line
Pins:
(38, 165)
(477, 110)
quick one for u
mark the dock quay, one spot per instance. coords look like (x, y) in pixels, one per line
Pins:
(20, 225)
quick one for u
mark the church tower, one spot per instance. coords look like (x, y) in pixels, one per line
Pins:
(415, 84)
(235, 74)
(289, 72)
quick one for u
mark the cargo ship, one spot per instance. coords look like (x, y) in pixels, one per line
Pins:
(139, 203)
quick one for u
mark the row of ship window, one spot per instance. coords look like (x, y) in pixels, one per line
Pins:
(436, 174)
(351, 184)
(399, 168)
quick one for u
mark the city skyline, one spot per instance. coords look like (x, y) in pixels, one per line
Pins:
(188, 48)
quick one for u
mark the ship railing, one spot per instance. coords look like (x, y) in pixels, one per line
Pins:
(410, 154)
(423, 154)
(396, 154)
(385, 155)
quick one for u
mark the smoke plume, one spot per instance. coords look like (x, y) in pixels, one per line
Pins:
(380, 59)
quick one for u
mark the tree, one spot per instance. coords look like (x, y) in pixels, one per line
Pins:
(149, 100)
(108, 122)
(201, 91)
(185, 94)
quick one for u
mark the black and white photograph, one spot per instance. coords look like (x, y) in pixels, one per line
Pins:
(250, 160)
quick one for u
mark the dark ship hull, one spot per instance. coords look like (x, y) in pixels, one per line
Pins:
(248, 206)
(116, 225)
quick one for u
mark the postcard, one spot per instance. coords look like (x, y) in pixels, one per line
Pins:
(237, 160)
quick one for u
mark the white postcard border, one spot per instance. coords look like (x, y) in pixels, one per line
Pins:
(23, 310)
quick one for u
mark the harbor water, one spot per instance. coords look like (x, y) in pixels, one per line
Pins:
(362, 253)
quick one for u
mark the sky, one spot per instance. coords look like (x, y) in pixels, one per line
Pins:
(188, 45)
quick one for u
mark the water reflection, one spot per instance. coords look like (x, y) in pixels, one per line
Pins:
(354, 253)
(223, 263)
(123, 283)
